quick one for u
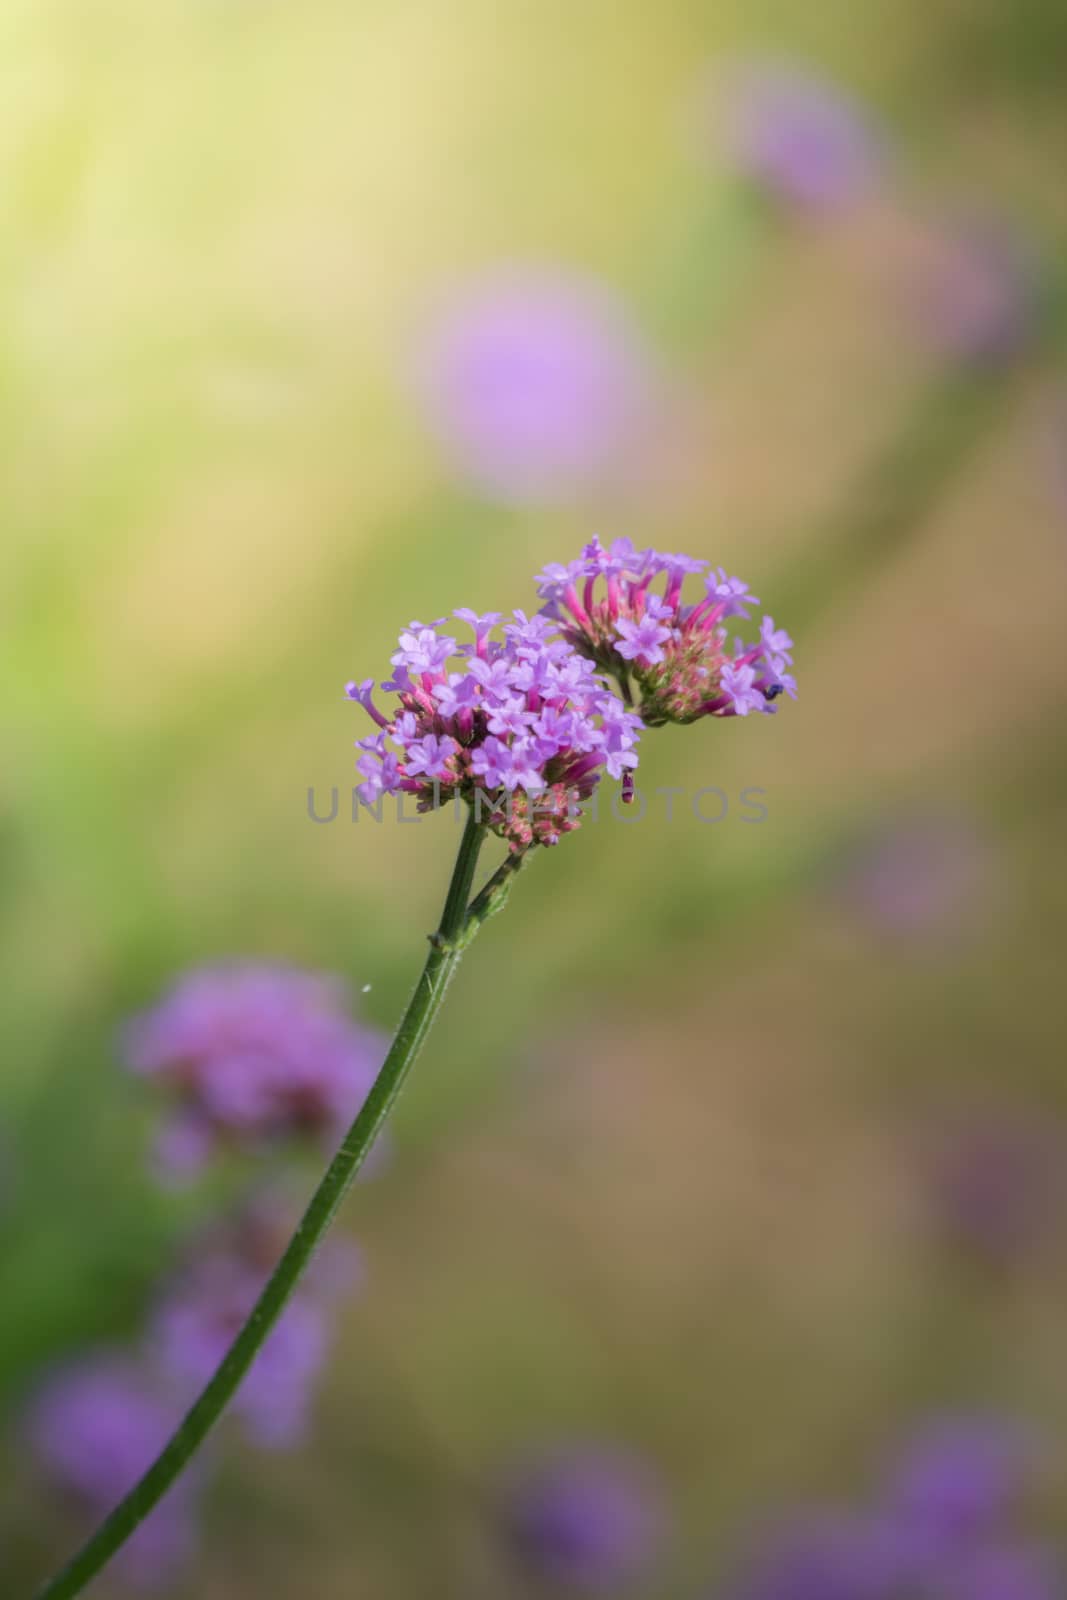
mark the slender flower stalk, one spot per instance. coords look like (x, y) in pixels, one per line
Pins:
(457, 927)
(525, 728)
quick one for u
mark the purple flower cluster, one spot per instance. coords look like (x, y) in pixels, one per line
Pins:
(588, 1519)
(522, 728)
(93, 1428)
(253, 1054)
(676, 652)
(801, 139)
(943, 1528)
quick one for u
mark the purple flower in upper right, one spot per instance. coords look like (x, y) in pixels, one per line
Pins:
(675, 653)
(799, 138)
(977, 291)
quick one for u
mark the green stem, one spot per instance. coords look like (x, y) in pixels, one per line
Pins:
(446, 947)
(494, 897)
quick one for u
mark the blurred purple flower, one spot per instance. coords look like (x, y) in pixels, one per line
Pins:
(252, 1053)
(941, 1529)
(958, 1482)
(93, 1428)
(918, 877)
(259, 1231)
(207, 1303)
(801, 138)
(994, 1187)
(836, 1557)
(194, 1330)
(1018, 1573)
(977, 292)
(537, 383)
(588, 1518)
(829, 1555)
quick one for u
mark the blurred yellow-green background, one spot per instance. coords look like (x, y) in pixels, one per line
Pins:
(671, 1175)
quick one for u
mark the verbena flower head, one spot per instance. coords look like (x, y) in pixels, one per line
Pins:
(537, 383)
(523, 728)
(93, 1428)
(624, 609)
(252, 1053)
(801, 138)
(588, 1519)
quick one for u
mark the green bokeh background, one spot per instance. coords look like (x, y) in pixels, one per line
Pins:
(656, 1179)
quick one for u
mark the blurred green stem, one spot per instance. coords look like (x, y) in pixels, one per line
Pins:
(460, 921)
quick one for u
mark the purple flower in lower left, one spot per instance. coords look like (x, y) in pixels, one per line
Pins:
(93, 1427)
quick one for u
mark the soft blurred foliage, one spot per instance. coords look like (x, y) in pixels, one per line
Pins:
(703, 1162)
